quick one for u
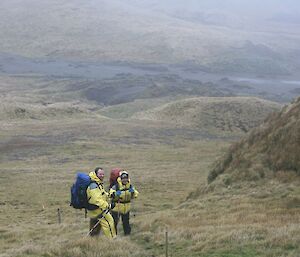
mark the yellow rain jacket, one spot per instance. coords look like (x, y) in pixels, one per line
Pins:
(98, 196)
(123, 201)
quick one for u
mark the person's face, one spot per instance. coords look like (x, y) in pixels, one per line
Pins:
(124, 180)
(100, 174)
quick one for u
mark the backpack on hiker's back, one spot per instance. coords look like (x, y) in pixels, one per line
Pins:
(78, 192)
(114, 174)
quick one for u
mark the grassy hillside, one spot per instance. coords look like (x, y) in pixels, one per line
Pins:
(127, 110)
(217, 115)
(252, 206)
(270, 150)
(39, 159)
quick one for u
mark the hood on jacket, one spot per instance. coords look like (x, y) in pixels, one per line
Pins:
(94, 177)
(119, 181)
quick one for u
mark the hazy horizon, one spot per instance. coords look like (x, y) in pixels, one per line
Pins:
(239, 36)
(244, 6)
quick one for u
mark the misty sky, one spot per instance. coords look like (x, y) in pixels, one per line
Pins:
(253, 7)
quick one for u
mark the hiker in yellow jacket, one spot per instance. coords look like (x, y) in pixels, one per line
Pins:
(122, 192)
(97, 196)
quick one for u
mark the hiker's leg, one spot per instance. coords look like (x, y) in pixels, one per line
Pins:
(96, 230)
(126, 225)
(116, 216)
(108, 226)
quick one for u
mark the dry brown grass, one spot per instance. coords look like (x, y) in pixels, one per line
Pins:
(232, 223)
(272, 147)
(39, 159)
(214, 114)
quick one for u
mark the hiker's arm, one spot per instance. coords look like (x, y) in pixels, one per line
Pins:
(113, 194)
(96, 198)
(134, 192)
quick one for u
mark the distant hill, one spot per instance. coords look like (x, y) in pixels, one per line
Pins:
(272, 148)
(127, 88)
(114, 31)
(214, 114)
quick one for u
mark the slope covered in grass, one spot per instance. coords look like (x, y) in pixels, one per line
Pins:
(218, 114)
(271, 149)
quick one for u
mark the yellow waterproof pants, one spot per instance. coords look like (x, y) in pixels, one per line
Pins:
(106, 224)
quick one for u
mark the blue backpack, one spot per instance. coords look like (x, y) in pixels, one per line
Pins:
(78, 192)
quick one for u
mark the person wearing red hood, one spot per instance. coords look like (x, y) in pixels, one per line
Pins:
(122, 192)
(96, 195)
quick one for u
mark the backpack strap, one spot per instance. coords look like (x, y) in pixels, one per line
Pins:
(93, 185)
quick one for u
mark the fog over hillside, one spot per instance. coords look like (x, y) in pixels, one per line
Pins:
(231, 13)
(259, 9)
(216, 36)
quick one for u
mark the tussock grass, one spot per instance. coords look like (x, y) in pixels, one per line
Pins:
(228, 225)
(271, 148)
(214, 114)
(96, 248)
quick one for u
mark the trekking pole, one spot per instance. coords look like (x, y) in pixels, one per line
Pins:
(100, 217)
(93, 228)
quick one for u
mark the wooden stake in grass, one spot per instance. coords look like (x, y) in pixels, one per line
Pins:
(59, 216)
(167, 243)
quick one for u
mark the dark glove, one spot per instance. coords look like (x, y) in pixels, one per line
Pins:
(131, 190)
(118, 193)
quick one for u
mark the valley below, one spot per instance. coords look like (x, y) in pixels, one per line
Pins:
(280, 88)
